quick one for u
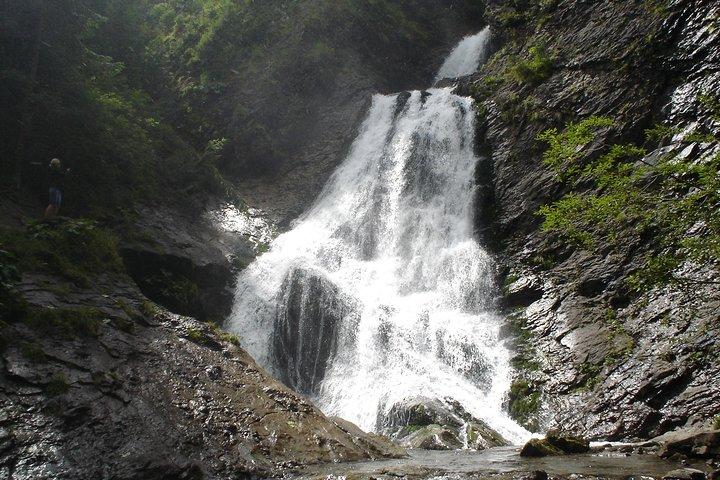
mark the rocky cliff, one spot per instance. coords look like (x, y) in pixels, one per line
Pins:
(96, 381)
(592, 355)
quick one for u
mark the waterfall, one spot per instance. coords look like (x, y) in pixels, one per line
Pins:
(380, 291)
(465, 58)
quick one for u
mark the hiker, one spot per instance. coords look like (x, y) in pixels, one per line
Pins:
(56, 177)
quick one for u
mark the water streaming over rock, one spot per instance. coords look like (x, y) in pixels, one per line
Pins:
(380, 291)
(465, 58)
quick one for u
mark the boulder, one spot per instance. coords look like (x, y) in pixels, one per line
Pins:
(694, 445)
(555, 443)
(306, 328)
(684, 474)
(538, 447)
(379, 446)
(433, 437)
(435, 424)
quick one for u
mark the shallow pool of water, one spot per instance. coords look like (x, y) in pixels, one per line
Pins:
(502, 460)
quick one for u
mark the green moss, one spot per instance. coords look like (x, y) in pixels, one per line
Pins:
(32, 352)
(716, 422)
(57, 385)
(223, 335)
(711, 103)
(66, 322)
(197, 336)
(148, 308)
(535, 68)
(660, 8)
(524, 404)
(73, 249)
(486, 87)
(590, 376)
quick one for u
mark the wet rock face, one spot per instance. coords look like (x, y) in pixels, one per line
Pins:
(143, 394)
(187, 261)
(306, 329)
(433, 424)
(600, 360)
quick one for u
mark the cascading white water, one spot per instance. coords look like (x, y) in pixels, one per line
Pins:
(465, 58)
(380, 292)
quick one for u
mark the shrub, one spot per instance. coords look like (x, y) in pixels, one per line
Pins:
(32, 352)
(619, 196)
(57, 385)
(72, 249)
(197, 336)
(67, 322)
(535, 69)
(524, 404)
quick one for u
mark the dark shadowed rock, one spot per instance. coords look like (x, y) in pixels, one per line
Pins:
(306, 328)
(568, 443)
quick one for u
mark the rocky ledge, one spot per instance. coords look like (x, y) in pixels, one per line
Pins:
(103, 383)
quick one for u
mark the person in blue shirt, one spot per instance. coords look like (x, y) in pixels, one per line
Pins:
(56, 181)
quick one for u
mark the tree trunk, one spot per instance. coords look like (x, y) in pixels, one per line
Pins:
(28, 109)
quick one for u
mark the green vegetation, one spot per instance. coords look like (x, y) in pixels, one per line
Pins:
(535, 68)
(524, 404)
(32, 352)
(66, 322)
(223, 335)
(589, 376)
(618, 196)
(72, 249)
(57, 385)
(149, 309)
(716, 422)
(711, 103)
(517, 14)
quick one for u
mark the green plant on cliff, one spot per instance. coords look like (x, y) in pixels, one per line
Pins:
(535, 68)
(617, 197)
(524, 404)
(75, 249)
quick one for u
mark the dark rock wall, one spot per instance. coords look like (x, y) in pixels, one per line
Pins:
(606, 363)
(305, 335)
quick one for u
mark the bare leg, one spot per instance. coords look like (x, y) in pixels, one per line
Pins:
(51, 211)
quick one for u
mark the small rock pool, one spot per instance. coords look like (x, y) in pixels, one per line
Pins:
(499, 463)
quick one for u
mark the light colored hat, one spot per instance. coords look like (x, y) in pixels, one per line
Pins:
(55, 162)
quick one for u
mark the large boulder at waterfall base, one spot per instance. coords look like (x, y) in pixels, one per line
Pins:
(434, 424)
(694, 445)
(537, 447)
(555, 443)
(684, 474)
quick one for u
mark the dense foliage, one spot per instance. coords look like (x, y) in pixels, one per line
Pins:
(144, 99)
(621, 194)
(64, 95)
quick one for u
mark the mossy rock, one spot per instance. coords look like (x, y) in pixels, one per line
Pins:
(539, 447)
(555, 443)
(434, 437)
(568, 443)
